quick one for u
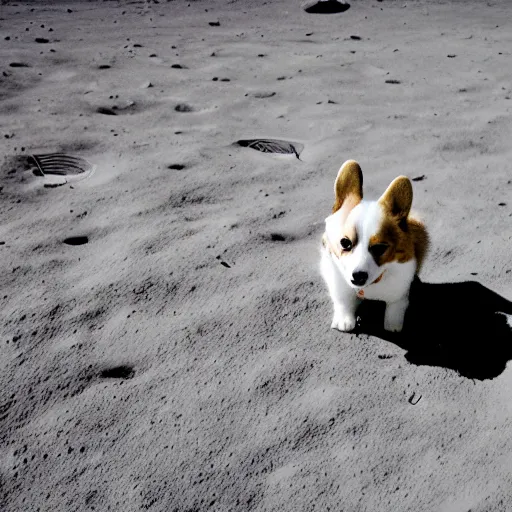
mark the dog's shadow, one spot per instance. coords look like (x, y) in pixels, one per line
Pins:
(452, 325)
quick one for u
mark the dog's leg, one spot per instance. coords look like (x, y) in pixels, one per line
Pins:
(343, 297)
(395, 313)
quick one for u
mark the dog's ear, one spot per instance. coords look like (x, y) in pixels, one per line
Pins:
(348, 184)
(397, 199)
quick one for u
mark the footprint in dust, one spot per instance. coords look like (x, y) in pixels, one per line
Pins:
(282, 147)
(118, 372)
(76, 240)
(325, 6)
(62, 164)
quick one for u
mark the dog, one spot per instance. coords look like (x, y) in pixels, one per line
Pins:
(371, 249)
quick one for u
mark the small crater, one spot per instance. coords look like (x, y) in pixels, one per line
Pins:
(128, 106)
(76, 240)
(54, 185)
(106, 111)
(262, 95)
(118, 372)
(413, 399)
(176, 167)
(183, 107)
(325, 6)
(222, 262)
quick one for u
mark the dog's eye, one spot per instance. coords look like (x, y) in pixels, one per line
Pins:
(378, 250)
(346, 244)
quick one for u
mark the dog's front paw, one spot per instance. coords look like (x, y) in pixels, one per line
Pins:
(393, 324)
(343, 321)
(394, 316)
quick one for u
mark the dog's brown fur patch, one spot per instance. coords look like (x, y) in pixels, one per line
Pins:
(407, 239)
(348, 187)
(397, 199)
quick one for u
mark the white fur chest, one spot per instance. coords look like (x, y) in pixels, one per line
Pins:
(395, 282)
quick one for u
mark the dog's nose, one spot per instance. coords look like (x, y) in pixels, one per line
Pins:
(359, 278)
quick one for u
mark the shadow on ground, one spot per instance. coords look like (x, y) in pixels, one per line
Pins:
(451, 325)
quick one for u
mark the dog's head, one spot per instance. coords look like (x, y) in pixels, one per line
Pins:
(367, 236)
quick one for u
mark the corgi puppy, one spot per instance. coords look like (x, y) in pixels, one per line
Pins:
(371, 249)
